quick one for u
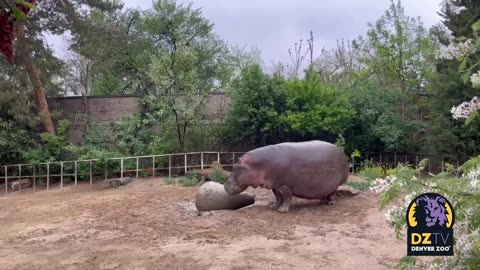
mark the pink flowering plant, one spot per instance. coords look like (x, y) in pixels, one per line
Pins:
(461, 187)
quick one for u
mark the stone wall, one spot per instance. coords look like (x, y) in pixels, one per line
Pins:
(104, 110)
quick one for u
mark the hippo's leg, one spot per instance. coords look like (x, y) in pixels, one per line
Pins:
(324, 200)
(278, 199)
(331, 198)
(286, 199)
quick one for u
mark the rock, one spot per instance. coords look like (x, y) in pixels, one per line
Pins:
(113, 183)
(346, 191)
(212, 196)
(15, 185)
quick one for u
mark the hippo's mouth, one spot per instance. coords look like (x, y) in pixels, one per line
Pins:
(232, 188)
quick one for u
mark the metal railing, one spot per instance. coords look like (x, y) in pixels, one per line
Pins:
(165, 165)
(150, 165)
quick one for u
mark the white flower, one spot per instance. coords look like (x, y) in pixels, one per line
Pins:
(465, 109)
(381, 185)
(475, 79)
(393, 214)
(456, 50)
(474, 177)
(432, 185)
(453, 8)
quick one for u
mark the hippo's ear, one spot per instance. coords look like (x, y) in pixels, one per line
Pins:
(250, 161)
(240, 166)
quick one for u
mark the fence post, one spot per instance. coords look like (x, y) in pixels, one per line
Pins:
(218, 158)
(6, 180)
(34, 178)
(233, 159)
(20, 177)
(153, 167)
(106, 169)
(169, 166)
(395, 160)
(380, 159)
(61, 174)
(442, 162)
(201, 161)
(91, 176)
(48, 176)
(137, 169)
(429, 163)
(416, 160)
(121, 167)
(76, 179)
(186, 163)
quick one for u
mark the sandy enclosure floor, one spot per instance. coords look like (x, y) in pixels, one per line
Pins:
(150, 225)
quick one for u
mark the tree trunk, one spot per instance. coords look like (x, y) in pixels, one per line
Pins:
(39, 91)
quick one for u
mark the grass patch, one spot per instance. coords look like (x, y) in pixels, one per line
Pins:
(184, 181)
(218, 175)
(371, 173)
(170, 181)
(358, 185)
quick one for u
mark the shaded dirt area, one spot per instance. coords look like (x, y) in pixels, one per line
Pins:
(150, 225)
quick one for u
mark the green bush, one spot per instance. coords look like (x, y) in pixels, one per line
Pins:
(471, 164)
(218, 174)
(358, 185)
(463, 193)
(371, 172)
(189, 181)
(170, 181)
(14, 143)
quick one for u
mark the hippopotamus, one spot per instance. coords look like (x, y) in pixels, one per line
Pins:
(308, 170)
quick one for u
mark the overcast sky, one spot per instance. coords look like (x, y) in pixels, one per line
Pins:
(273, 26)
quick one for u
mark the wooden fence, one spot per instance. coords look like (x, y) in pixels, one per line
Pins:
(59, 173)
(43, 176)
(435, 164)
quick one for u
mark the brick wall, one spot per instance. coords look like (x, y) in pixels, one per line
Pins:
(104, 110)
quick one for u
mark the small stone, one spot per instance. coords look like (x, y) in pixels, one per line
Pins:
(212, 196)
(113, 183)
(346, 191)
(25, 183)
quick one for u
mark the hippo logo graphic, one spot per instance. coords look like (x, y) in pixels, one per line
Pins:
(430, 218)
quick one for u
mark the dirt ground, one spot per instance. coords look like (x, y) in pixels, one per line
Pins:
(150, 225)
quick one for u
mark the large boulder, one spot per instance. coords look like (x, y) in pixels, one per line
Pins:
(212, 196)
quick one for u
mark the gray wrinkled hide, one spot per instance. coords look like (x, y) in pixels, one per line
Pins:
(212, 196)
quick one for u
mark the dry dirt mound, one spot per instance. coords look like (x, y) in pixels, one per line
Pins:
(149, 225)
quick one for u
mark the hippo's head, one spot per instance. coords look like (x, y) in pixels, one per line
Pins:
(242, 176)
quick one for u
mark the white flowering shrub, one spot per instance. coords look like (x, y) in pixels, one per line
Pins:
(463, 192)
(464, 50)
(466, 109)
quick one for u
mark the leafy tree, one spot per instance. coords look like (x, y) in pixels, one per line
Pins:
(257, 101)
(314, 110)
(55, 17)
(189, 62)
(447, 135)
(117, 51)
(400, 54)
